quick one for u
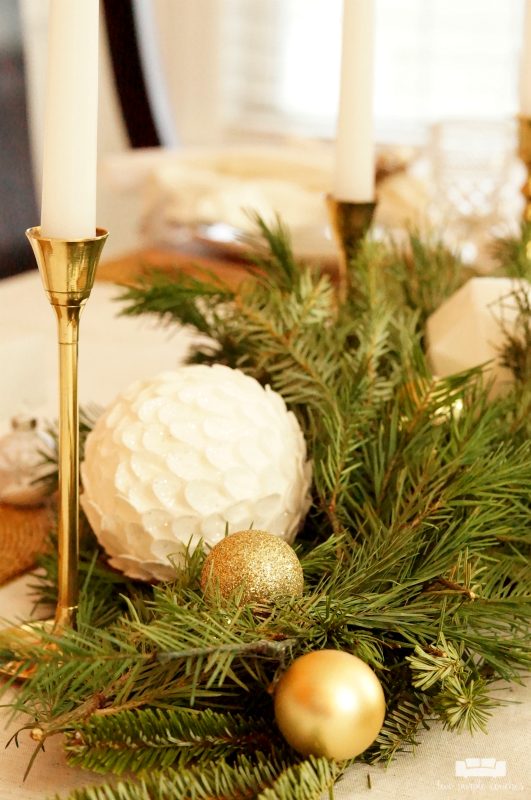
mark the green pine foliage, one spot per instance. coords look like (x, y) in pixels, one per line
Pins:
(513, 253)
(424, 273)
(161, 739)
(415, 551)
(264, 779)
(516, 351)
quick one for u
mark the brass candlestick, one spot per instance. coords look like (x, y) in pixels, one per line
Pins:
(524, 153)
(68, 269)
(350, 222)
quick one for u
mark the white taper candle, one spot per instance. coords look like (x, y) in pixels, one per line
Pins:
(354, 166)
(70, 128)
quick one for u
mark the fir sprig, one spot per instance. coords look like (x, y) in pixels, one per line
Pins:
(174, 738)
(512, 253)
(262, 779)
(423, 272)
(402, 727)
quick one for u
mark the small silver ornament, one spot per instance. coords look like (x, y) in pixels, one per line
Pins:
(22, 463)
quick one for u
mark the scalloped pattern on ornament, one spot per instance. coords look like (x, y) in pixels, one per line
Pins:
(180, 457)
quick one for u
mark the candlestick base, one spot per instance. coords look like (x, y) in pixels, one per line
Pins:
(30, 635)
(524, 153)
(350, 223)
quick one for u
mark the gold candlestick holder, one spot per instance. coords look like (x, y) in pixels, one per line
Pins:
(350, 222)
(524, 153)
(68, 269)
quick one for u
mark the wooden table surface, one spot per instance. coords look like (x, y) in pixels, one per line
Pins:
(124, 270)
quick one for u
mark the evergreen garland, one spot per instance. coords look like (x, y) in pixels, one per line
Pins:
(267, 778)
(415, 552)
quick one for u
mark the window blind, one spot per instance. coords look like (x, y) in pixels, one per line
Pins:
(435, 59)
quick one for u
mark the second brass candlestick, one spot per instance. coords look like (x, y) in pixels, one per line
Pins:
(68, 269)
(350, 222)
(524, 153)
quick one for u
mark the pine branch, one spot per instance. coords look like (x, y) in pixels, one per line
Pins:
(152, 739)
(516, 350)
(400, 732)
(273, 255)
(423, 273)
(512, 254)
(179, 296)
(99, 608)
(103, 670)
(267, 779)
(466, 705)
(435, 665)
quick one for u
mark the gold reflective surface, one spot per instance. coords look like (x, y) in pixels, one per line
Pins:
(329, 703)
(263, 564)
(68, 269)
(350, 222)
(524, 153)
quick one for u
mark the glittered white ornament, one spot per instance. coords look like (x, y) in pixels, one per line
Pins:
(179, 457)
(469, 328)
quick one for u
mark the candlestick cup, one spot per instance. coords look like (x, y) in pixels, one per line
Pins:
(350, 222)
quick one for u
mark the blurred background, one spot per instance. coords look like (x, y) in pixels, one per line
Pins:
(208, 106)
(17, 192)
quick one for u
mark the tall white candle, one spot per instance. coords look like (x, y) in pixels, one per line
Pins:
(354, 167)
(525, 74)
(70, 127)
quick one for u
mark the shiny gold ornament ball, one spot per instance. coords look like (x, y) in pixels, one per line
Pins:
(329, 703)
(265, 565)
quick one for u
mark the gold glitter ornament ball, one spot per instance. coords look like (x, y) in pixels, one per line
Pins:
(329, 703)
(264, 564)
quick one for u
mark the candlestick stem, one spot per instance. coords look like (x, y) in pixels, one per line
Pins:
(68, 270)
(68, 528)
(350, 222)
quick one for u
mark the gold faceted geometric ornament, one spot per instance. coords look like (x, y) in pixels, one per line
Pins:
(262, 565)
(329, 703)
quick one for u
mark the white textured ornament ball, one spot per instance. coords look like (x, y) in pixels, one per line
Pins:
(184, 455)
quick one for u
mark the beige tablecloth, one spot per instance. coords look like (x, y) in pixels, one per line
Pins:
(114, 353)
